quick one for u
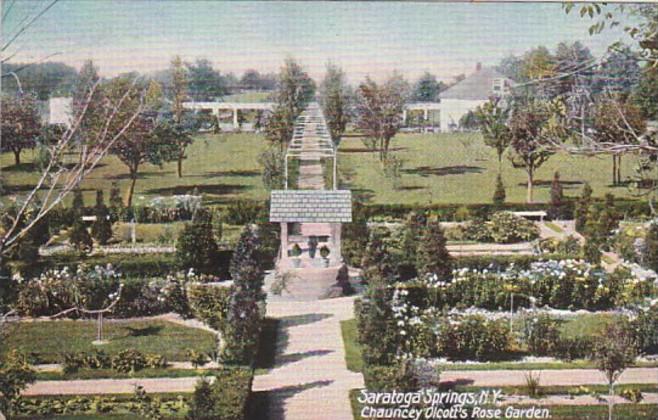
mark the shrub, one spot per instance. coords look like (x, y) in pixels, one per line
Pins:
(196, 358)
(15, 375)
(398, 377)
(569, 246)
(571, 348)
(581, 209)
(650, 255)
(376, 330)
(101, 230)
(79, 236)
(557, 197)
(355, 237)
(210, 304)
(242, 212)
(242, 329)
(225, 398)
(196, 247)
(472, 337)
(645, 330)
(507, 228)
(377, 262)
(499, 193)
(541, 334)
(129, 361)
(432, 255)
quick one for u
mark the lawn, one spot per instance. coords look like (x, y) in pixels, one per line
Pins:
(165, 233)
(49, 339)
(459, 168)
(352, 347)
(222, 167)
(437, 168)
(250, 96)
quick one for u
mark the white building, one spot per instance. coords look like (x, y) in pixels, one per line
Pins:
(59, 111)
(470, 93)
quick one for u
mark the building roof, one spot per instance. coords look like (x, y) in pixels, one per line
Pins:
(478, 85)
(311, 206)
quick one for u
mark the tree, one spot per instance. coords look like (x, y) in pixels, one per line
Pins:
(499, 193)
(243, 319)
(148, 140)
(413, 228)
(617, 122)
(379, 111)
(427, 88)
(619, 73)
(533, 128)
(196, 247)
(492, 119)
(377, 263)
(204, 82)
(538, 64)
(273, 160)
(335, 100)
(179, 83)
(20, 124)
(85, 95)
(295, 88)
(116, 203)
(512, 68)
(78, 202)
(45, 80)
(646, 93)
(557, 197)
(582, 207)
(101, 230)
(15, 375)
(613, 353)
(433, 257)
(79, 236)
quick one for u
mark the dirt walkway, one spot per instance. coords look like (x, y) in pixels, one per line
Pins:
(310, 378)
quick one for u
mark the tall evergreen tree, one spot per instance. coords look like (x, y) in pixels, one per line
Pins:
(582, 207)
(433, 256)
(377, 263)
(196, 246)
(499, 193)
(557, 197)
(101, 230)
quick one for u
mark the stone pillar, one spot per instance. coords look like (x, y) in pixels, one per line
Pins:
(426, 114)
(236, 124)
(335, 242)
(284, 241)
(404, 117)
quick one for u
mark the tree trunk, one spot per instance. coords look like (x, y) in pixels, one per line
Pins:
(17, 157)
(619, 169)
(614, 169)
(179, 167)
(610, 402)
(530, 182)
(131, 189)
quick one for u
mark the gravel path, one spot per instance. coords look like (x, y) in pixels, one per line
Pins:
(310, 379)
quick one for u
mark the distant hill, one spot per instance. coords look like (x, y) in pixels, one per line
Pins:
(44, 79)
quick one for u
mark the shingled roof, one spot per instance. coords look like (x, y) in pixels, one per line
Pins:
(477, 86)
(311, 206)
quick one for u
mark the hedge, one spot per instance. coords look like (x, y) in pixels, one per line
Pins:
(448, 212)
(130, 265)
(225, 398)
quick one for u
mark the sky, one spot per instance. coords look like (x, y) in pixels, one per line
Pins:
(369, 38)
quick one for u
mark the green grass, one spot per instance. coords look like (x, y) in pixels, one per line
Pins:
(113, 374)
(52, 338)
(458, 168)
(223, 167)
(165, 233)
(590, 325)
(352, 348)
(555, 228)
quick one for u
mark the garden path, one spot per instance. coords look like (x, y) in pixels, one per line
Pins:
(310, 379)
(291, 395)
